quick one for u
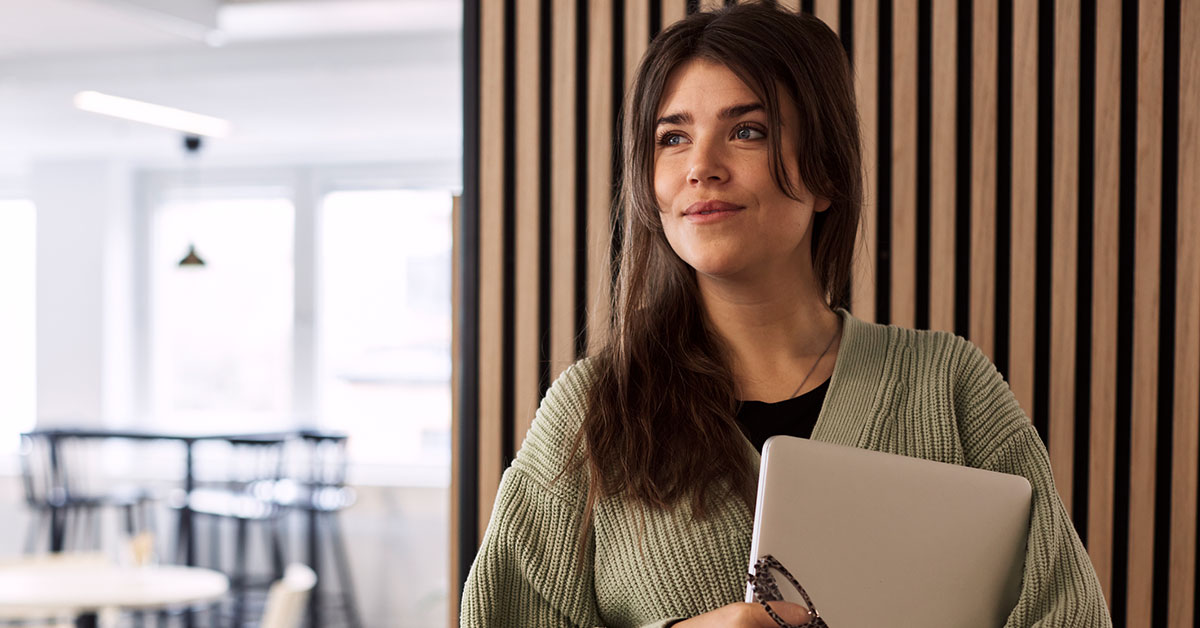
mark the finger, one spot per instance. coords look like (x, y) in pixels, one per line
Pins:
(789, 612)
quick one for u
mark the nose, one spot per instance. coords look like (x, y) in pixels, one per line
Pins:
(707, 164)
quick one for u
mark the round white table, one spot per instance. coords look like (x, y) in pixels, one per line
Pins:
(86, 589)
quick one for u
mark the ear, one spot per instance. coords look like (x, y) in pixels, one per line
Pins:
(821, 204)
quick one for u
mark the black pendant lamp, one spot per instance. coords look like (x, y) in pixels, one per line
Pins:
(191, 259)
(191, 145)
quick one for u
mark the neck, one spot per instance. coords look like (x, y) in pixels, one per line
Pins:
(775, 333)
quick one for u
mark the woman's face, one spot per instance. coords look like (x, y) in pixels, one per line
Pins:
(721, 209)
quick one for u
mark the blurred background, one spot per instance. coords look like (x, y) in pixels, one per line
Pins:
(321, 214)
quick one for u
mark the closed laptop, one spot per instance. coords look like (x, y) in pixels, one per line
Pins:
(878, 539)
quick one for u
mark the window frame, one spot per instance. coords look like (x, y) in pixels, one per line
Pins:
(305, 186)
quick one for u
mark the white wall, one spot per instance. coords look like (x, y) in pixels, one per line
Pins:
(84, 295)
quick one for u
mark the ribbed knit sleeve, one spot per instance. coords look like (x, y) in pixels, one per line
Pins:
(530, 569)
(1059, 586)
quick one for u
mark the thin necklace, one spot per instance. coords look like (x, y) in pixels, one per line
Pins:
(814, 366)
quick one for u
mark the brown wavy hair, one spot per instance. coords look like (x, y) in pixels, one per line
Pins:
(661, 425)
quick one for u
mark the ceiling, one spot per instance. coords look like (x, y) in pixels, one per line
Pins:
(30, 28)
(300, 80)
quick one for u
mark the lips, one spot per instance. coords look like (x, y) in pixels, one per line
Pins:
(709, 208)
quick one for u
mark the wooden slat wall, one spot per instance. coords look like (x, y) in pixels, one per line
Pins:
(942, 167)
(1103, 367)
(1031, 184)
(1065, 267)
(985, 40)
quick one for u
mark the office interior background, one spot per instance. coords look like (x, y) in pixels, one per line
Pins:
(1031, 170)
(325, 222)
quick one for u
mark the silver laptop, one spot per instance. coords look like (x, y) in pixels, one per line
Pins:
(878, 539)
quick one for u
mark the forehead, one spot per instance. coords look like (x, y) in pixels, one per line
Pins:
(700, 84)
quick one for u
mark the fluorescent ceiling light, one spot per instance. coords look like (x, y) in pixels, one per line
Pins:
(149, 113)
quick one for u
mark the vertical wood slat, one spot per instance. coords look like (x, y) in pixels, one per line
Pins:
(1024, 201)
(983, 176)
(710, 5)
(1064, 265)
(491, 253)
(672, 11)
(599, 172)
(562, 186)
(637, 36)
(525, 367)
(827, 11)
(1104, 292)
(903, 162)
(1185, 456)
(865, 61)
(1146, 313)
(942, 165)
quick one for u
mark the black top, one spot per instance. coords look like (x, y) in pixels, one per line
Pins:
(797, 416)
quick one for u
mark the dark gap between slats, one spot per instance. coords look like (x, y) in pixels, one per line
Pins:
(1004, 116)
(846, 26)
(693, 6)
(1044, 260)
(508, 253)
(1084, 278)
(655, 17)
(468, 352)
(1125, 300)
(806, 6)
(883, 169)
(618, 93)
(1164, 456)
(924, 166)
(545, 178)
(581, 181)
(846, 29)
(962, 179)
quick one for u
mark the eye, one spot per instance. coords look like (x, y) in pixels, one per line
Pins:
(748, 133)
(670, 139)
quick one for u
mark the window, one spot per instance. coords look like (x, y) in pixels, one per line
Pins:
(221, 356)
(385, 324)
(18, 391)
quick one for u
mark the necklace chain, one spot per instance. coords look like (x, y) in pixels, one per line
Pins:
(814, 366)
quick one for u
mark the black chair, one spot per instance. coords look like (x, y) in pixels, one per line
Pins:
(68, 491)
(318, 492)
(236, 481)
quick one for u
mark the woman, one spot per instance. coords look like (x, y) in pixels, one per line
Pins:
(630, 502)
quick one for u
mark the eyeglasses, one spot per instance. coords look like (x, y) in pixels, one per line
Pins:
(767, 591)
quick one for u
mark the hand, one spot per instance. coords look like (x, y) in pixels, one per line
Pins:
(747, 615)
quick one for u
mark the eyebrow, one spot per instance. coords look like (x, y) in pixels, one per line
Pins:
(736, 111)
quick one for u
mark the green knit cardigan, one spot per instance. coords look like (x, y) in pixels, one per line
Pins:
(930, 395)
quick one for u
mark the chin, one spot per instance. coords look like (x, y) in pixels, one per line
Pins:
(716, 269)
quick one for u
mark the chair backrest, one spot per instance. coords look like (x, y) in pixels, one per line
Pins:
(288, 597)
(61, 467)
(326, 458)
(239, 463)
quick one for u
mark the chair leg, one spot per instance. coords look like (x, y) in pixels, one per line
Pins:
(344, 577)
(214, 553)
(94, 515)
(36, 525)
(130, 525)
(314, 560)
(239, 574)
(275, 538)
